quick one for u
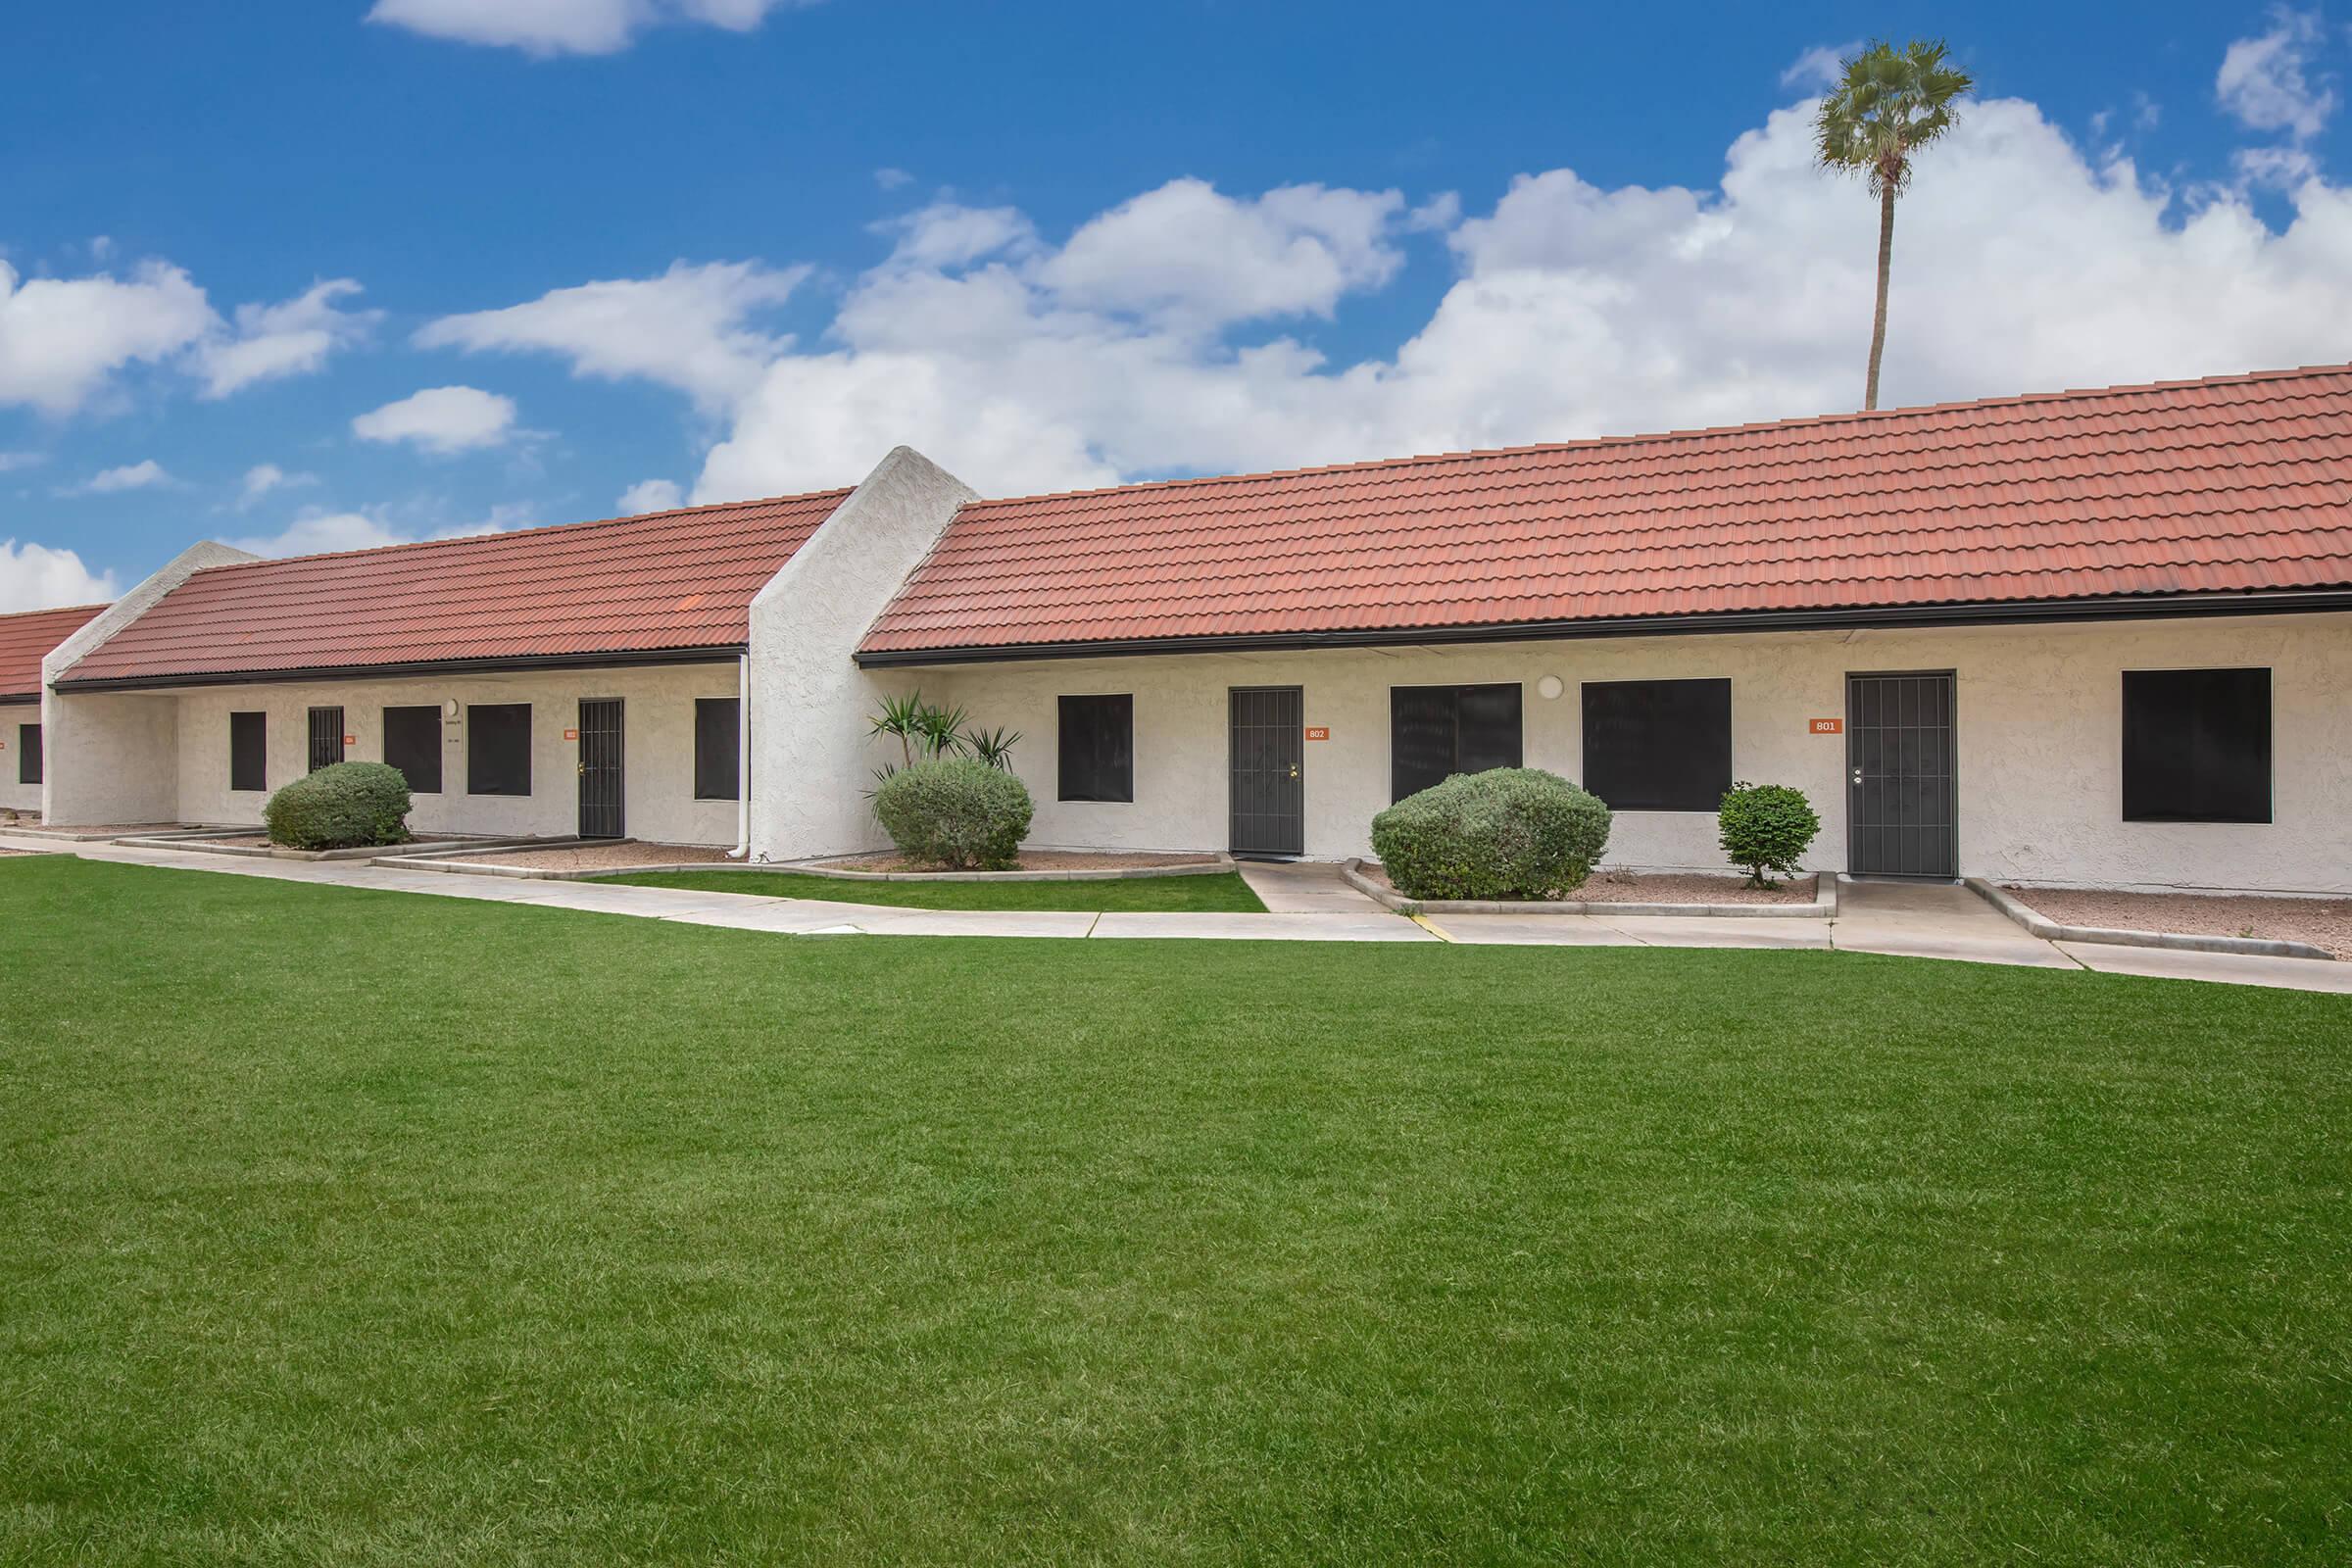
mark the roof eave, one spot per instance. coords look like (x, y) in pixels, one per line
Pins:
(512, 663)
(2128, 607)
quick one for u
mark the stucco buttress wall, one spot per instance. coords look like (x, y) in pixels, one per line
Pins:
(2038, 734)
(109, 757)
(811, 756)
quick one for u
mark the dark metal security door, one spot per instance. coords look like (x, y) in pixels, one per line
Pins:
(1902, 801)
(1269, 766)
(327, 737)
(601, 754)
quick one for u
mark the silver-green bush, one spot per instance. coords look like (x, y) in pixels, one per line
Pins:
(341, 807)
(959, 813)
(1509, 833)
(1766, 828)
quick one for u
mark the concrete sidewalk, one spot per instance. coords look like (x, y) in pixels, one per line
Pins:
(1307, 902)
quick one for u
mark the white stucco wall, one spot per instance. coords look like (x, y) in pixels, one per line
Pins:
(811, 755)
(2039, 736)
(16, 796)
(658, 755)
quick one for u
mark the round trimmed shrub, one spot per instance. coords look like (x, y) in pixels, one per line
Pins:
(956, 812)
(1509, 833)
(341, 807)
(1766, 828)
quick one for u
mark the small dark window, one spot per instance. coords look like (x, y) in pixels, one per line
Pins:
(327, 737)
(2196, 746)
(1098, 748)
(497, 748)
(413, 744)
(1437, 731)
(29, 754)
(1658, 745)
(249, 751)
(717, 748)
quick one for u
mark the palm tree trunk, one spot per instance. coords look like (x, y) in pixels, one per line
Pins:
(1878, 323)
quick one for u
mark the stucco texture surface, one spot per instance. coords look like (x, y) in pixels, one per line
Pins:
(2039, 735)
(657, 713)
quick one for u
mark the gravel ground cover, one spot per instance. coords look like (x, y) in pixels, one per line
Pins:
(2321, 922)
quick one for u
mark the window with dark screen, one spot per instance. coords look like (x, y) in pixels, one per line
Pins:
(717, 748)
(29, 754)
(1098, 748)
(2196, 746)
(413, 744)
(1658, 745)
(1437, 731)
(249, 751)
(497, 748)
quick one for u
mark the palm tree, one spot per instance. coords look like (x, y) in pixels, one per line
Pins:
(1887, 104)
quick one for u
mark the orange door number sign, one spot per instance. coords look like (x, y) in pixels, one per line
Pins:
(351, 740)
(571, 734)
(1829, 727)
(1318, 732)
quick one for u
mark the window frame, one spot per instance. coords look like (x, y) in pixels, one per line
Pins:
(257, 722)
(475, 765)
(32, 756)
(734, 739)
(1646, 798)
(2134, 720)
(1086, 774)
(1454, 693)
(432, 716)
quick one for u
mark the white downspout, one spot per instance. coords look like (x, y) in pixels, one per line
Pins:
(742, 759)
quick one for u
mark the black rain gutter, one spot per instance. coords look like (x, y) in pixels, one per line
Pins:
(723, 654)
(11, 699)
(2138, 607)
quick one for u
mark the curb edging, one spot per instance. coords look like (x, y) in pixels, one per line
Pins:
(2177, 940)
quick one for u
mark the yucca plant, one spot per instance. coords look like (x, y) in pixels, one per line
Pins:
(992, 746)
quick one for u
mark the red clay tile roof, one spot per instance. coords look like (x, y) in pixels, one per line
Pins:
(668, 582)
(26, 639)
(2231, 484)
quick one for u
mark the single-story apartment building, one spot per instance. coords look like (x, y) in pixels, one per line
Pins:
(25, 639)
(2100, 638)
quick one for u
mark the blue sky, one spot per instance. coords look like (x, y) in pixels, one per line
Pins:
(287, 274)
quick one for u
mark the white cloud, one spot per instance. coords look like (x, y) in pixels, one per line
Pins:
(11, 460)
(685, 329)
(893, 178)
(650, 495)
(1819, 68)
(61, 339)
(1172, 333)
(1190, 253)
(38, 577)
(265, 477)
(318, 531)
(145, 475)
(292, 338)
(565, 27)
(2264, 79)
(441, 419)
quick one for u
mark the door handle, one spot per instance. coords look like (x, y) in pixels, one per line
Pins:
(1294, 773)
(1857, 775)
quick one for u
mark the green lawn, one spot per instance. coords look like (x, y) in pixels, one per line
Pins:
(1223, 893)
(360, 1228)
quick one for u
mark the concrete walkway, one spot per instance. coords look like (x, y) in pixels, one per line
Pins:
(1307, 902)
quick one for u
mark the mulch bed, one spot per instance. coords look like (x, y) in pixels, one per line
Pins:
(2325, 923)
